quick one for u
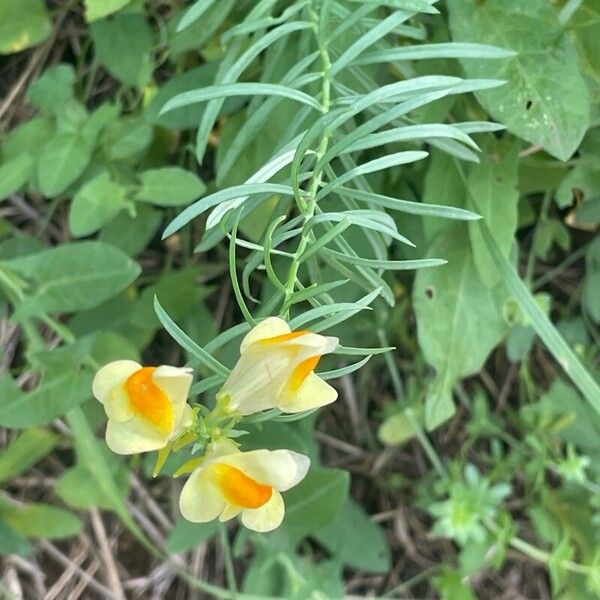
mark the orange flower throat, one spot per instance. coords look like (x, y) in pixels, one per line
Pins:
(149, 401)
(240, 489)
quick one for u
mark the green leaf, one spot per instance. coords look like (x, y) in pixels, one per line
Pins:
(450, 50)
(238, 89)
(451, 586)
(55, 86)
(91, 456)
(186, 536)
(187, 343)
(187, 116)
(96, 9)
(229, 73)
(170, 186)
(95, 204)
(400, 427)
(555, 343)
(41, 521)
(132, 234)
(591, 283)
(546, 100)
(494, 184)
(72, 277)
(62, 160)
(123, 45)
(31, 446)
(367, 40)
(425, 6)
(57, 393)
(413, 208)
(378, 164)
(127, 138)
(237, 192)
(11, 542)
(355, 540)
(14, 174)
(180, 293)
(193, 13)
(69, 489)
(28, 138)
(316, 501)
(585, 27)
(459, 320)
(23, 24)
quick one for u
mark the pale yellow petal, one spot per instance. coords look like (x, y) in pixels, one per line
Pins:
(111, 375)
(280, 469)
(257, 379)
(313, 393)
(174, 382)
(267, 517)
(117, 405)
(223, 447)
(270, 327)
(314, 343)
(133, 436)
(229, 512)
(183, 416)
(201, 499)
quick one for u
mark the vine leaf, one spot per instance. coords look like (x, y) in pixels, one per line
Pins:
(459, 320)
(545, 100)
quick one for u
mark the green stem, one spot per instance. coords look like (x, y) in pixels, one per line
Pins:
(538, 554)
(315, 180)
(420, 434)
(229, 568)
(542, 219)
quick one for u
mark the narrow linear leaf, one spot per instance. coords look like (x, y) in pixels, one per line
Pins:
(187, 343)
(238, 89)
(553, 340)
(235, 192)
(423, 51)
(414, 208)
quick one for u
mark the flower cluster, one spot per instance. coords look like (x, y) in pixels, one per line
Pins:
(147, 410)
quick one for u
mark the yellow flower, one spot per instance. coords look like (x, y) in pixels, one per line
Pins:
(229, 482)
(276, 370)
(146, 406)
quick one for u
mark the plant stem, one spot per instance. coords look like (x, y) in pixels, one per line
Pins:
(229, 568)
(538, 554)
(315, 180)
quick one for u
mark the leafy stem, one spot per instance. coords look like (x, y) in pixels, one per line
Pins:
(308, 209)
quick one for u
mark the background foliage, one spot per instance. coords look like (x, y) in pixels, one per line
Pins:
(322, 159)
